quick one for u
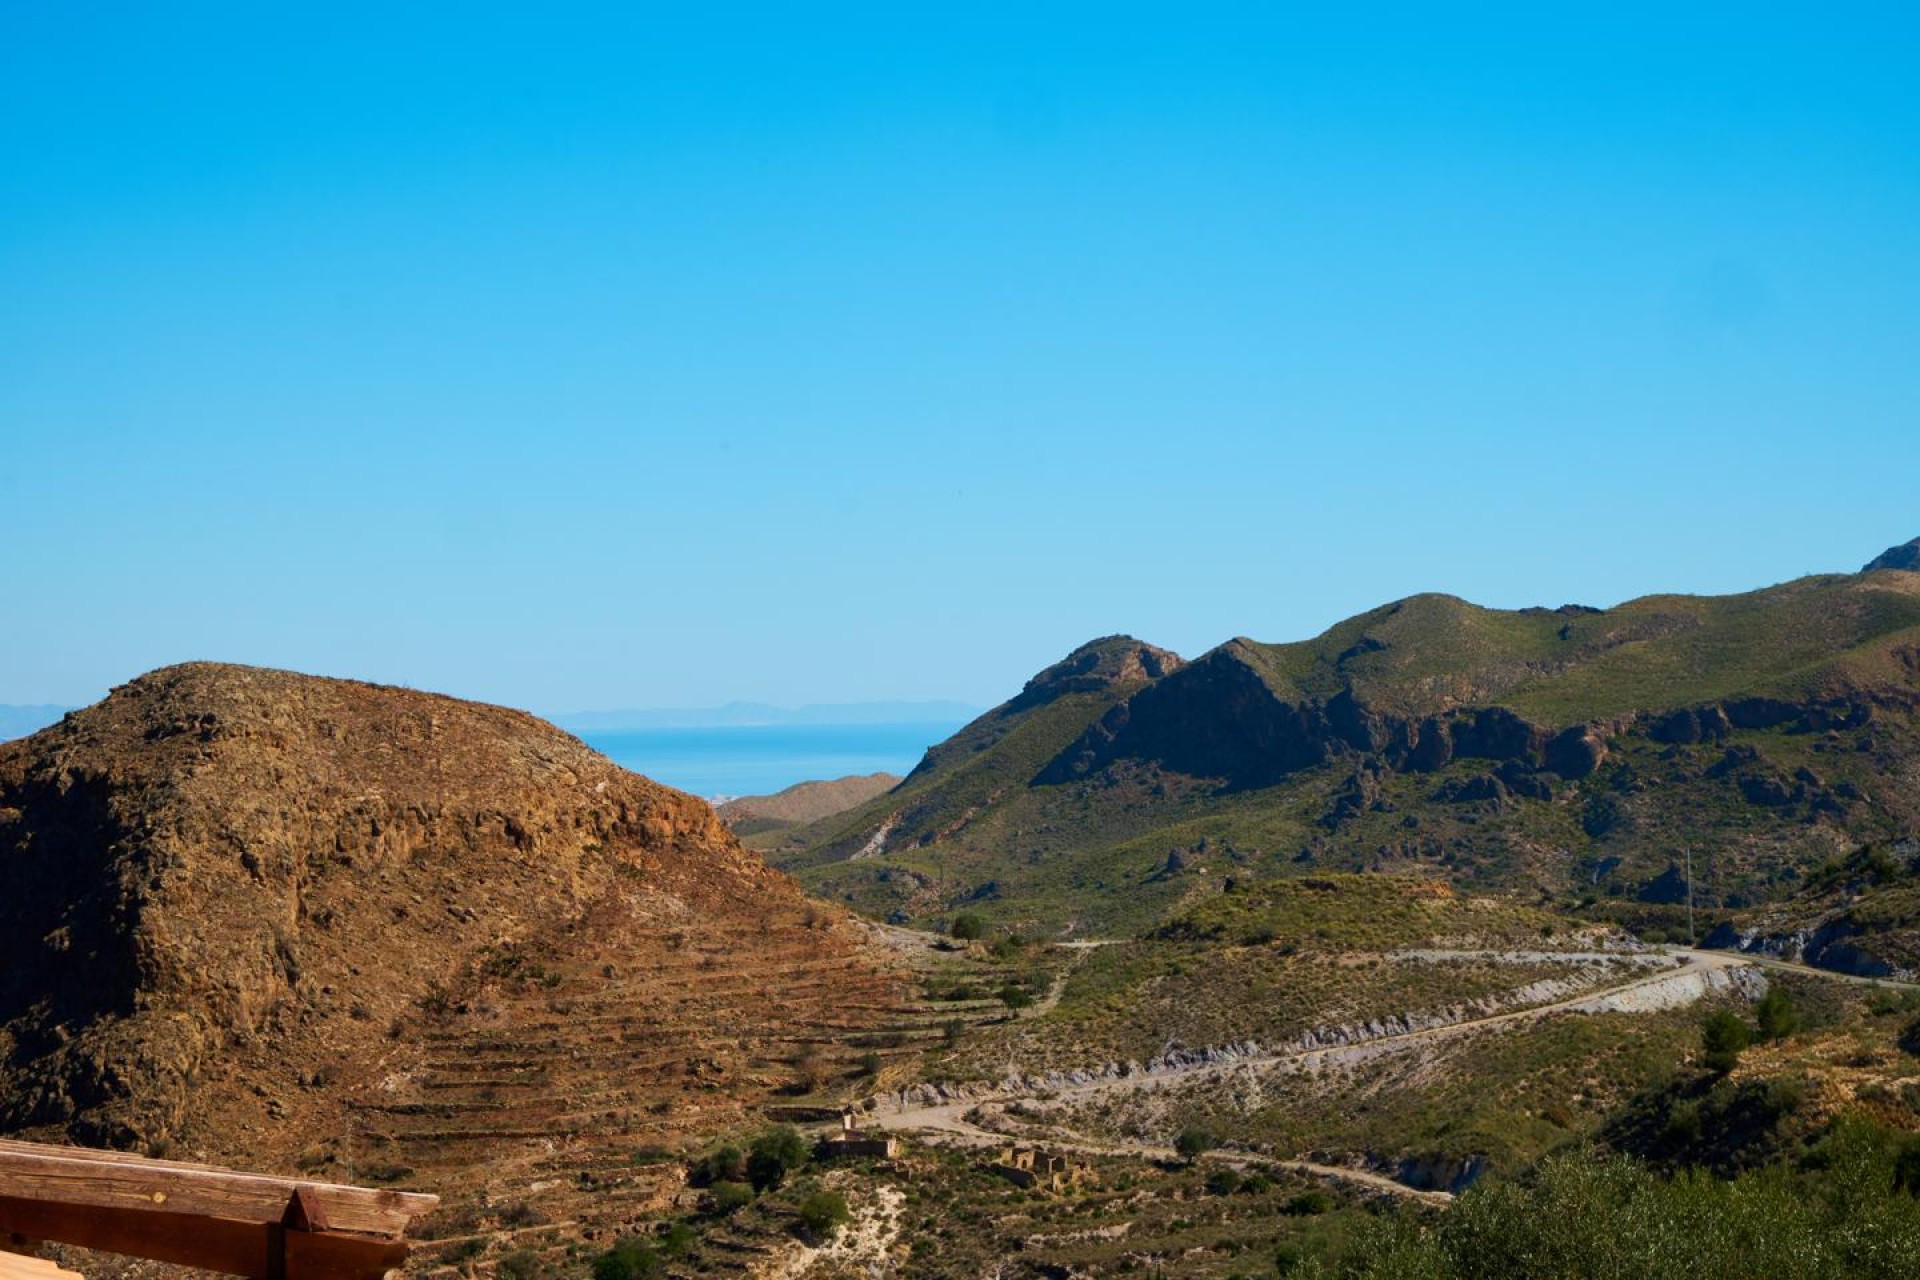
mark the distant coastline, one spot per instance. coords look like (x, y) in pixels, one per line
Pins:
(722, 762)
(764, 715)
(19, 721)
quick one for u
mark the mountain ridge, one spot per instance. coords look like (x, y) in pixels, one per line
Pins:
(1516, 745)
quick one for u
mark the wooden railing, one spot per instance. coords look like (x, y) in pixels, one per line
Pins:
(200, 1216)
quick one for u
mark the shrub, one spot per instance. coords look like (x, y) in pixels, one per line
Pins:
(1309, 1204)
(1682, 1128)
(967, 926)
(521, 1264)
(1724, 1036)
(1910, 1038)
(823, 1212)
(1194, 1143)
(1784, 1097)
(629, 1259)
(722, 1164)
(783, 1143)
(1223, 1182)
(1015, 996)
(1578, 1215)
(765, 1171)
(1776, 1014)
(1906, 1167)
(724, 1198)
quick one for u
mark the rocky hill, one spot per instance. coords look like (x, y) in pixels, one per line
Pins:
(1905, 556)
(1571, 750)
(298, 922)
(802, 803)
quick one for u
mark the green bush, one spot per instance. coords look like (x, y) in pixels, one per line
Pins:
(1309, 1204)
(765, 1172)
(1724, 1037)
(823, 1212)
(629, 1259)
(521, 1264)
(776, 1152)
(1906, 1166)
(1223, 1182)
(1015, 996)
(1007, 946)
(724, 1198)
(1910, 1038)
(722, 1164)
(1194, 1142)
(967, 926)
(1580, 1215)
(1776, 1014)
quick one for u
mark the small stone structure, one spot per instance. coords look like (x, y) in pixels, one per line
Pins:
(1029, 1167)
(852, 1140)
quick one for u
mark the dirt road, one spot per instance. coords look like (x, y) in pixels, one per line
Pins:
(1696, 973)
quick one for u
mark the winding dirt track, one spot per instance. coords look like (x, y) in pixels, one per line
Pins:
(1788, 966)
(945, 1121)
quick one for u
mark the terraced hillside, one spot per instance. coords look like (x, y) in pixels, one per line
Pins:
(1575, 751)
(341, 928)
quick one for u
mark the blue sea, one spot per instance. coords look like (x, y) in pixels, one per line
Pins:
(754, 760)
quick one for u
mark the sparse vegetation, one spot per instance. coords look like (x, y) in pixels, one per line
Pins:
(1586, 1216)
(823, 1212)
(724, 1198)
(629, 1259)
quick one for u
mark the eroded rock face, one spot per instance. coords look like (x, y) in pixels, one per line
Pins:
(219, 857)
(1905, 556)
(1096, 665)
(1217, 717)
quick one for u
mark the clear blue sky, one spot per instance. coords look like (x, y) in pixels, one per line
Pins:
(611, 355)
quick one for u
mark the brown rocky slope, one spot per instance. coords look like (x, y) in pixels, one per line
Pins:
(808, 801)
(276, 919)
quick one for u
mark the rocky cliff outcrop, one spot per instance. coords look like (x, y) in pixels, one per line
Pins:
(1097, 665)
(1220, 717)
(1905, 556)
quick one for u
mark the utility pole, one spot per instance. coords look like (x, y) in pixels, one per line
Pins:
(1692, 939)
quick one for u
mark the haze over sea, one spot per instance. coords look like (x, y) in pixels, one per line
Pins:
(740, 760)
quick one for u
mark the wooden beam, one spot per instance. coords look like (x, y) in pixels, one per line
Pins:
(208, 1243)
(109, 1180)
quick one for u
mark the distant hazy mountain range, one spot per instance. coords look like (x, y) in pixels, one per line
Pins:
(18, 722)
(761, 713)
